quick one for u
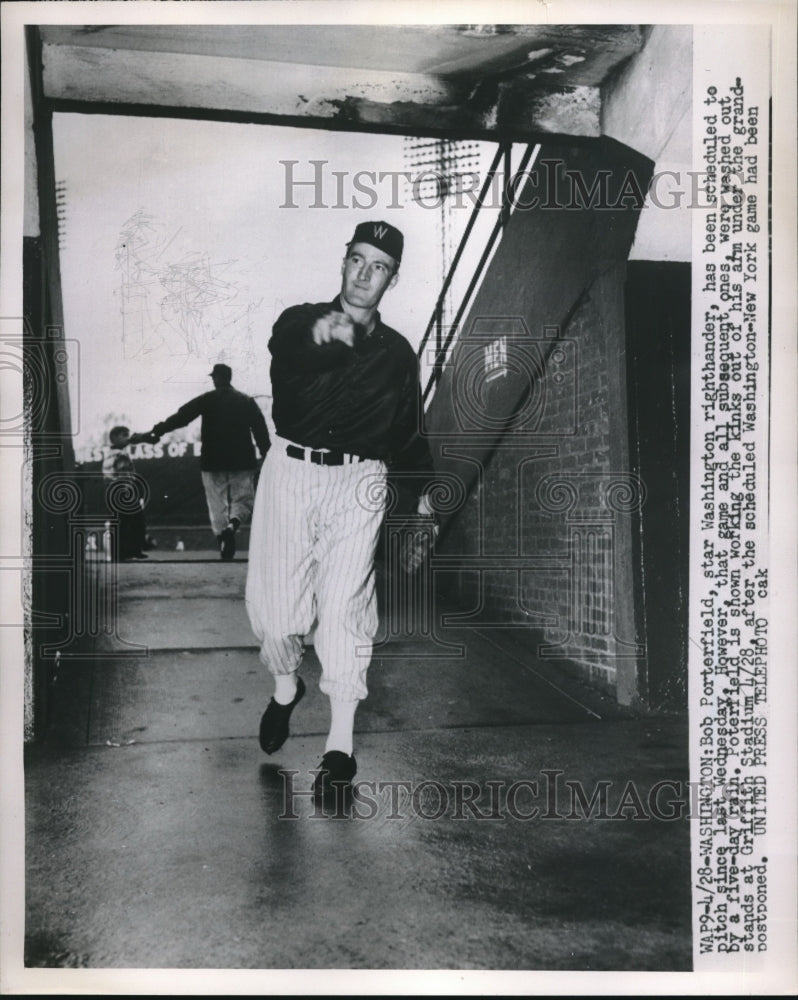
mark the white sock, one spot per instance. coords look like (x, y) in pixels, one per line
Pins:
(342, 726)
(284, 688)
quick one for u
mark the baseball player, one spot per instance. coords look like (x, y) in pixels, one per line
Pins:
(230, 420)
(345, 408)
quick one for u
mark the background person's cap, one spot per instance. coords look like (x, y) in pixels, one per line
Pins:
(222, 372)
(381, 235)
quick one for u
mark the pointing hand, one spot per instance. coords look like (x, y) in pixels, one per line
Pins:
(334, 326)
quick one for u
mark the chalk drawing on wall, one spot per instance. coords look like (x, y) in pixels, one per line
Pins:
(180, 303)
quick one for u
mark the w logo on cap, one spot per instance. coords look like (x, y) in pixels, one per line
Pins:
(382, 235)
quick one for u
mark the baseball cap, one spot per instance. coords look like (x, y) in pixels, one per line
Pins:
(222, 371)
(381, 235)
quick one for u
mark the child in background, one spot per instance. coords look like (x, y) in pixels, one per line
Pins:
(118, 466)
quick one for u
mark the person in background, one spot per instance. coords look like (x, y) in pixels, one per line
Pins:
(118, 468)
(230, 421)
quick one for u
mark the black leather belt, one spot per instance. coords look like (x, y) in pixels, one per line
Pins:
(321, 457)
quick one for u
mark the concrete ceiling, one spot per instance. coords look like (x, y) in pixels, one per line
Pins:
(464, 79)
(583, 54)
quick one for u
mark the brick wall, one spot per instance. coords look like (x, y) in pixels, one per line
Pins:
(553, 506)
(531, 415)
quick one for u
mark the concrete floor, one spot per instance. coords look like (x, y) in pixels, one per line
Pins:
(160, 836)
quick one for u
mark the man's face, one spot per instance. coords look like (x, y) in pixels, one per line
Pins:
(367, 274)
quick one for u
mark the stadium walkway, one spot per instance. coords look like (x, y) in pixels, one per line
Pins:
(160, 836)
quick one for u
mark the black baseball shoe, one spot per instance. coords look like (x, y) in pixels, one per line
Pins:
(274, 721)
(227, 543)
(334, 778)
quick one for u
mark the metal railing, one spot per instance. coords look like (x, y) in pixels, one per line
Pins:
(444, 340)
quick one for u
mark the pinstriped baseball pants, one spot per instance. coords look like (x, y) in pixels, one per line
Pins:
(311, 558)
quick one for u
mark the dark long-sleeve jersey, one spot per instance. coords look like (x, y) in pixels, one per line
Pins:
(363, 400)
(230, 420)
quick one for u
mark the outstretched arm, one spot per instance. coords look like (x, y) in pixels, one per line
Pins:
(312, 337)
(146, 436)
(188, 412)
